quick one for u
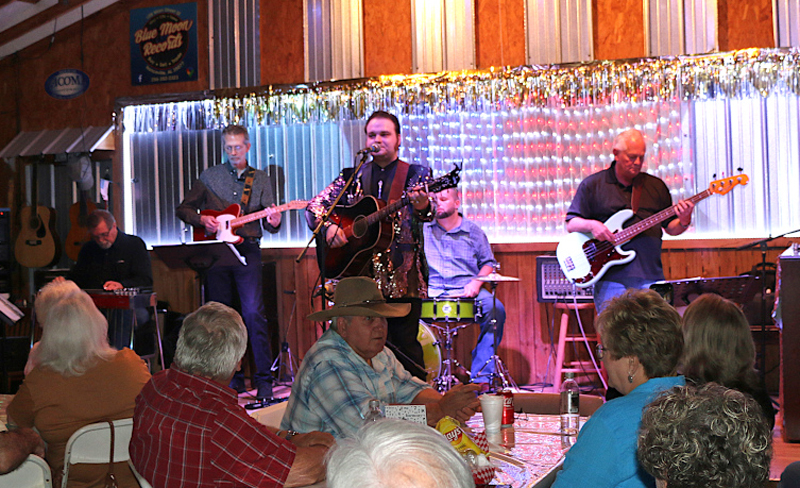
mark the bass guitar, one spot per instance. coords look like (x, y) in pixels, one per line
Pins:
(230, 220)
(366, 227)
(584, 259)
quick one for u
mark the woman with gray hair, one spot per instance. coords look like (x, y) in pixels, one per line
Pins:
(77, 379)
(706, 437)
(641, 343)
(397, 454)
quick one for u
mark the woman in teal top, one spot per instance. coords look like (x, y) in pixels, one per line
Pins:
(641, 343)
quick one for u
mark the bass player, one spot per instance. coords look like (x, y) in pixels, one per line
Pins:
(623, 185)
(400, 270)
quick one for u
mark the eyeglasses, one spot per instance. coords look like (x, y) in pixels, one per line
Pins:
(600, 351)
(104, 235)
(237, 148)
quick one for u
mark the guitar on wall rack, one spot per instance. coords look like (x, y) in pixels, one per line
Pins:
(36, 246)
(366, 227)
(78, 231)
(230, 220)
(585, 259)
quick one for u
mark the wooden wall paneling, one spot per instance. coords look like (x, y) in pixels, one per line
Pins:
(282, 43)
(530, 327)
(499, 33)
(178, 287)
(745, 23)
(618, 27)
(387, 37)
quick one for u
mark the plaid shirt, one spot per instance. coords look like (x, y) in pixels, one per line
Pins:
(455, 257)
(190, 432)
(334, 386)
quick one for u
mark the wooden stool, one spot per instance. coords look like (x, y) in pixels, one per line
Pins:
(563, 338)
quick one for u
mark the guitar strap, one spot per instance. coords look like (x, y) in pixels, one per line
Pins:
(399, 182)
(636, 194)
(248, 187)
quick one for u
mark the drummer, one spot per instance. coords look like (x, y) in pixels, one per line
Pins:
(458, 252)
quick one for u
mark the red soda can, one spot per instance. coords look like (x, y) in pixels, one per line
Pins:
(508, 408)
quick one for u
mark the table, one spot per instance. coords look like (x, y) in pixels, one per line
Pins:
(531, 451)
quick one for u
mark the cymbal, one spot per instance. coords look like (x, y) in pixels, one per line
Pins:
(495, 278)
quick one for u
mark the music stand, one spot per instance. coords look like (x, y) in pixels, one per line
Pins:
(200, 257)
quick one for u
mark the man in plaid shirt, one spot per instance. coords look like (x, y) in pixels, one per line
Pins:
(350, 365)
(189, 430)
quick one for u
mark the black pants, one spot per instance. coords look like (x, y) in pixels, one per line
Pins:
(403, 337)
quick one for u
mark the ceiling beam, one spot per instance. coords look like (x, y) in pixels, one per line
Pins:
(45, 24)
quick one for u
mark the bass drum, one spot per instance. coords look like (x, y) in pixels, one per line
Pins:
(431, 352)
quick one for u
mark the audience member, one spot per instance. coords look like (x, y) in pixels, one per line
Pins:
(189, 430)
(16, 445)
(790, 478)
(77, 379)
(396, 454)
(718, 347)
(705, 437)
(47, 296)
(641, 343)
(350, 365)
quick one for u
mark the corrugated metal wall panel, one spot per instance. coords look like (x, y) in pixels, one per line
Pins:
(443, 35)
(559, 31)
(787, 20)
(235, 58)
(334, 43)
(678, 27)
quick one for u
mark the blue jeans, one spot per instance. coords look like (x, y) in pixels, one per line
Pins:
(485, 348)
(247, 281)
(605, 290)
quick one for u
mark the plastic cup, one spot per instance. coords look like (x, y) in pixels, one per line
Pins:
(492, 409)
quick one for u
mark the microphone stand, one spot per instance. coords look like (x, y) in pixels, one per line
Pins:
(762, 245)
(321, 225)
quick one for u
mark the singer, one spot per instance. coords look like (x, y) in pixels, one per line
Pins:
(399, 271)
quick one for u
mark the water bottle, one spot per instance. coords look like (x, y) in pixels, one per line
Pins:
(570, 398)
(373, 411)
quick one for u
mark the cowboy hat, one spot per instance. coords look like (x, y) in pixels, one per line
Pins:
(359, 296)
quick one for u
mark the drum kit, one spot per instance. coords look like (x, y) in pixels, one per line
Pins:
(448, 316)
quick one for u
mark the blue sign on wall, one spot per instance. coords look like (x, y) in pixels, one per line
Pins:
(66, 84)
(164, 44)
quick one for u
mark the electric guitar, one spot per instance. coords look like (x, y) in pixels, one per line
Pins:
(366, 227)
(584, 259)
(230, 220)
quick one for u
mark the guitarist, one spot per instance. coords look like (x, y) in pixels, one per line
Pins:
(236, 182)
(401, 272)
(623, 185)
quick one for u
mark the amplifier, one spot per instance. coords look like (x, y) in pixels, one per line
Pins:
(552, 286)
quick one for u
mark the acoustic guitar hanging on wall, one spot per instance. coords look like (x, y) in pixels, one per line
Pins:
(36, 245)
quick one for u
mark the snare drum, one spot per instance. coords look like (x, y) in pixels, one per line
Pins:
(453, 309)
(431, 353)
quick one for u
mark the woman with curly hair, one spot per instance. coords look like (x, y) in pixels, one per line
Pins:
(718, 347)
(705, 437)
(641, 343)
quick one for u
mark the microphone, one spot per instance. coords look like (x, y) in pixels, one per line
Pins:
(371, 149)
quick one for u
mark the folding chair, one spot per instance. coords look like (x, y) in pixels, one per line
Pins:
(33, 473)
(91, 444)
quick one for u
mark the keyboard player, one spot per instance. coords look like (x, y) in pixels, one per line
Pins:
(114, 260)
